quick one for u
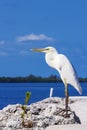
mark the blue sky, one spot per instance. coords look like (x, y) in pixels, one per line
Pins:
(26, 24)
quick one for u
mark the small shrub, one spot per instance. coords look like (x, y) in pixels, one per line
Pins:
(28, 123)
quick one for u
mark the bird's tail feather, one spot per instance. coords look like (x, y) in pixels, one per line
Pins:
(78, 88)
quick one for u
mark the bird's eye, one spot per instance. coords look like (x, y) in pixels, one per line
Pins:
(47, 49)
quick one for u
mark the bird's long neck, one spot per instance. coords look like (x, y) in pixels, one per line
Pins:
(50, 57)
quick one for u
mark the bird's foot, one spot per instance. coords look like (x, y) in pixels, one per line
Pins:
(65, 113)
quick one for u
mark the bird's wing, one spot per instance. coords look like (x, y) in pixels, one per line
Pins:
(67, 72)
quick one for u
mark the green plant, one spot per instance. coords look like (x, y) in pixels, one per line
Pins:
(29, 123)
(27, 97)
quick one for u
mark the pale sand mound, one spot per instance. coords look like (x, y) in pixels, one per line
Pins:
(67, 127)
(80, 108)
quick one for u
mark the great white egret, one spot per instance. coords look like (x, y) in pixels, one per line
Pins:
(67, 72)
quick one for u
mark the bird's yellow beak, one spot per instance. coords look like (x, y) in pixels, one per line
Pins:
(38, 49)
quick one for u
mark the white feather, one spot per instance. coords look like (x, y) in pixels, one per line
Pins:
(61, 63)
(66, 70)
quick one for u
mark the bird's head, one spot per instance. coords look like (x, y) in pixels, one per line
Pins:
(45, 50)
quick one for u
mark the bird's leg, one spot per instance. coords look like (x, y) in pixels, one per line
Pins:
(65, 112)
(66, 99)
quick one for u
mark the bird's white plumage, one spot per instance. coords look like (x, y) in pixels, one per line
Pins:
(61, 63)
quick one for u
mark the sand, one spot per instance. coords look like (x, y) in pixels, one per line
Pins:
(80, 108)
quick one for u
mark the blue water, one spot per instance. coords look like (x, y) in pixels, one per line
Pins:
(12, 93)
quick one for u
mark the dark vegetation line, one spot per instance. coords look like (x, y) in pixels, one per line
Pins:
(32, 78)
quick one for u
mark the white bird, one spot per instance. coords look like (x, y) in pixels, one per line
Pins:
(66, 70)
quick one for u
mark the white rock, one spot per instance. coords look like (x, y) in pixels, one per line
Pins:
(50, 110)
(43, 114)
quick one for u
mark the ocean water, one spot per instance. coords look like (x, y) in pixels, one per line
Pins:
(13, 93)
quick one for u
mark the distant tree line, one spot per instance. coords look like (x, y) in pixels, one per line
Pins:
(32, 78)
